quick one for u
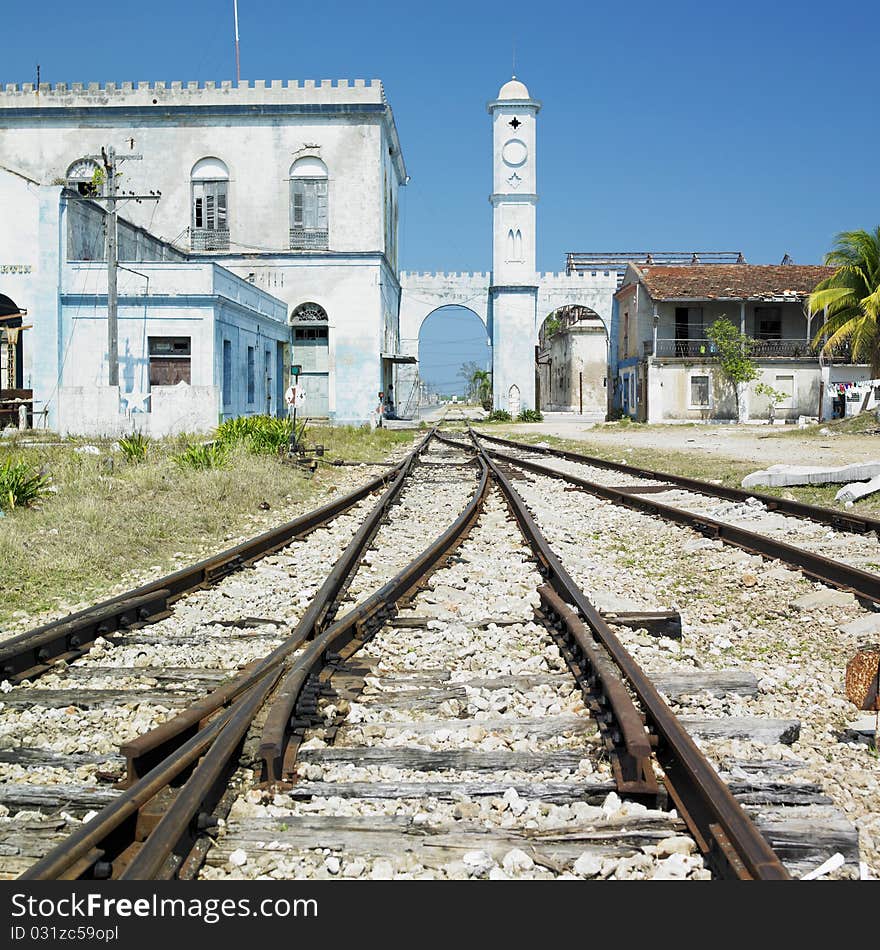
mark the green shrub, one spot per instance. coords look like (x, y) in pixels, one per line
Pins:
(235, 430)
(530, 415)
(260, 434)
(209, 455)
(499, 415)
(20, 485)
(134, 447)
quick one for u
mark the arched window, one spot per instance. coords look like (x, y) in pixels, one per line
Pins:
(514, 245)
(210, 204)
(86, 176)
(309, 313)
(513, 400)
(309, 228)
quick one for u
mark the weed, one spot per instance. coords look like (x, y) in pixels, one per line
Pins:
(205, 455)
(135, 447)
(499, 415)
(265, 435)
(20, 485)
(530, 415)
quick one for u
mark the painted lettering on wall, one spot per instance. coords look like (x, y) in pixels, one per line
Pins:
(15, 268)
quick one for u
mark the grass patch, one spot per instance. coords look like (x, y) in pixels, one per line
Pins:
(204, 455)
(109, 519)
(865, 423)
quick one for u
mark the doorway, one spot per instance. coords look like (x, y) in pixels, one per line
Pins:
(311, 351)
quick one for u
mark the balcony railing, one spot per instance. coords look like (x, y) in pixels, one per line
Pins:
(303, 239)
(202, 239)
(706, 349)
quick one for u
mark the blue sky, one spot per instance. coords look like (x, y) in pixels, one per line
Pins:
(666, 126)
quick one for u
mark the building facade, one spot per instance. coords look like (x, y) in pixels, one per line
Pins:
(572, 364)
(196, 342)
(668, 369)
(292, 187)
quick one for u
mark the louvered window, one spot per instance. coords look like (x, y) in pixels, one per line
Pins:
(210, 221)
(308, 213)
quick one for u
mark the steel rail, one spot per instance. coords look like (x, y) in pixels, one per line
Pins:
(109, 838)
(162, 755)
(279, 719)
(35, 651)
(858, 524)
(627, 743)
(156, 855)
(723, 831)
(86, 849)
(144, 751)
(863, 584)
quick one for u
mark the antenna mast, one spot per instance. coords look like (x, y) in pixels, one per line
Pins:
(237, 61)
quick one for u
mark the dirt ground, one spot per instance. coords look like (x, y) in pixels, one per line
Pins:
(753, 444)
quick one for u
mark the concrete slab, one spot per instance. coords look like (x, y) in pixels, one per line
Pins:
(818, 599)
(862, 626)
(781, 475)
(856, 490)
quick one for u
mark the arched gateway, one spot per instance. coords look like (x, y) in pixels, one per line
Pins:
(513, 299)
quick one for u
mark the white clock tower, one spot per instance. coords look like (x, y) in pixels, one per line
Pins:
(514, 281)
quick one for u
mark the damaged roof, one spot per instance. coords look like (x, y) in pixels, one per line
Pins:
(732, 281)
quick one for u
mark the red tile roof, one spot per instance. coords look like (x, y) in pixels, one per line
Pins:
(732, 281)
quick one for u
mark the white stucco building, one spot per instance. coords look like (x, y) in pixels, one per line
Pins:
(196, 341)
(292, 188)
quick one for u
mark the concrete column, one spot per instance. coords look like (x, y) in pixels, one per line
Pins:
(742, 317)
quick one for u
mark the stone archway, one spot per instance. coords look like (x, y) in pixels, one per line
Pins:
(452, 339)
(421, 295)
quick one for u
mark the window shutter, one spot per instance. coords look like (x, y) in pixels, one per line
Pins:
(221, 205)
(321, 189)
(209, 212)
(296, 204)
(311, 206)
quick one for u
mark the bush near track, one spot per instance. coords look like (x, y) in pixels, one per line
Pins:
(111, 524)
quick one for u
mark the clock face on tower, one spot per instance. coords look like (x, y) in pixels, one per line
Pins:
(514, 152)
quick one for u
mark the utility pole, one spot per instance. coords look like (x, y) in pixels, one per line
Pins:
(110, 159)
(109, 156)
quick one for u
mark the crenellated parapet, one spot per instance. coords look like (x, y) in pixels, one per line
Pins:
(440, 278)
(253, 92)
(598, 277)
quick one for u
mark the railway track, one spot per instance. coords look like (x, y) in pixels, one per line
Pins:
(447, 703)
(832, 547)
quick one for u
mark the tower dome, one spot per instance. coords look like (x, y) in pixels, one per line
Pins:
(514, 89)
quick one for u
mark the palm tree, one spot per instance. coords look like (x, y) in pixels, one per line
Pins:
(852, 297)
(482, 383)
